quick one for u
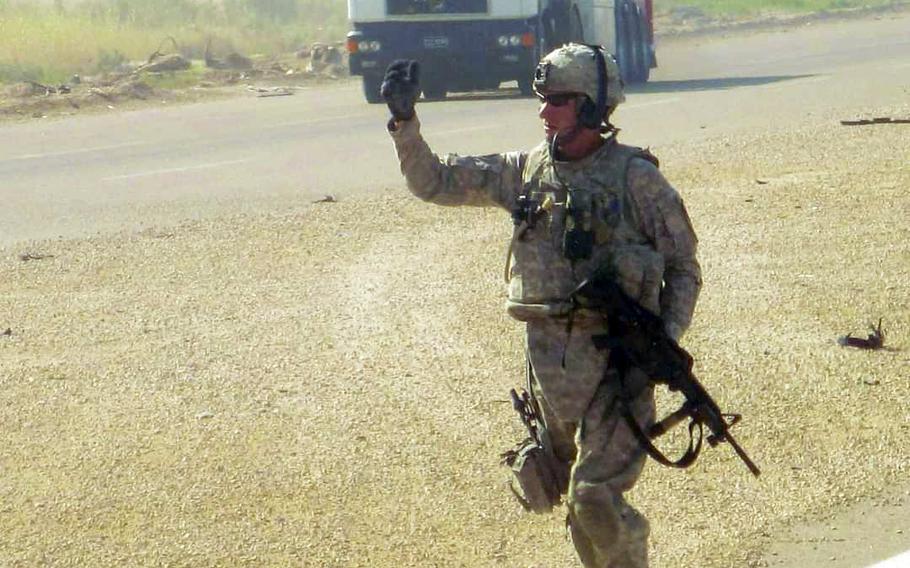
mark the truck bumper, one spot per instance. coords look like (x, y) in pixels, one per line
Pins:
(462, 54)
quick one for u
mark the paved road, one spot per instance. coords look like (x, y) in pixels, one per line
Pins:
(130, 170)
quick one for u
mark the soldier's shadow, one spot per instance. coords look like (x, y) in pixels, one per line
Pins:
(501, 94)
(712, 84)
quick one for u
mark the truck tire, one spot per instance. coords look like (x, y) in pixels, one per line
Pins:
(526, 86)
(644, 50)
(434, 90)
(576, 29)
(371, 85)
(625, 46)
(640, 60)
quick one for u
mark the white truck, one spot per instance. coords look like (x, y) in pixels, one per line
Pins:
(466, 45)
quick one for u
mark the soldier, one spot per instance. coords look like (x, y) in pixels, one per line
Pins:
(582, 203)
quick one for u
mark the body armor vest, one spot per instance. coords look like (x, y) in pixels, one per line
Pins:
(579, 221)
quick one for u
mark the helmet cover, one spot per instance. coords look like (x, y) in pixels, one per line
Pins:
(572, 68)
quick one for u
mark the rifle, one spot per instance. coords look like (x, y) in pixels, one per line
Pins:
(636, 338)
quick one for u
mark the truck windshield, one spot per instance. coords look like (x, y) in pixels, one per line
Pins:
(407, 7)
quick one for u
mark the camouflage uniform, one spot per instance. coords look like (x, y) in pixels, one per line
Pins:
(643, 234)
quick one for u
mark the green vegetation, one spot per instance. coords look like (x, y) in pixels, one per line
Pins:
(182, 80)
(49, 41)
(739, 8)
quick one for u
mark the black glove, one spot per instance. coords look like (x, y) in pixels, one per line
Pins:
(401, 87)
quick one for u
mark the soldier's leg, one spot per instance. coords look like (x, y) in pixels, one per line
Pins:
(606, 530)
(563, 385)
(567, 367)
(568, 373)
(561, 432)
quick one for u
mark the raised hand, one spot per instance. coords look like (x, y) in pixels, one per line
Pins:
(401, 87)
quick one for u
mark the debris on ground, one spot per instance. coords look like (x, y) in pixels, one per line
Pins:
(159, 61)
(327, 199)
(35, 89)
(133, 82)
(232, 60)
(325, 59)
(171, 62)
(7, 332)
(877, 120)
(27, 256)
(875, 340)
(270, 91)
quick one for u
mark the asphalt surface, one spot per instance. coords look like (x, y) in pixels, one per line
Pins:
(126, 171)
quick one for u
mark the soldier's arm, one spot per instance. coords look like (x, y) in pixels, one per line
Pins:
(455, 180)
(663, 219)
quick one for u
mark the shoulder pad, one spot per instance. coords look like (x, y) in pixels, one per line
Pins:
(645, 154)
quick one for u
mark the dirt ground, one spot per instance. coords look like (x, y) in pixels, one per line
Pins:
(327, 385)
(140, 85)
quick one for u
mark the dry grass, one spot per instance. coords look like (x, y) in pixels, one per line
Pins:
(327, 387)
(43, 43)
(726, 8)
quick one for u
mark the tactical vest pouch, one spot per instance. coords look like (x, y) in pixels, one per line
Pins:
(639, 273)
(535, 476)
(528, 312)
(538, 477)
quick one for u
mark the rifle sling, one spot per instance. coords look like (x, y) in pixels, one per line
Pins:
(687, 459)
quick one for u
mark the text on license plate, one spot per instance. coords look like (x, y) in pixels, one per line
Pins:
(435, 42)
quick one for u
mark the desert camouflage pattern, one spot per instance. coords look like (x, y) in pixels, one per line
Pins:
(643, 232)
(572, 68)
(605, 456)
(643, 236)
(540, 274)
(492, 180)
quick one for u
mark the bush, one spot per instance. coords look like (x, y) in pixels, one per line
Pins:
(109, 60)
(16, 73)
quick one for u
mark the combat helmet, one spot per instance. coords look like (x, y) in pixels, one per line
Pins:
(586, 69)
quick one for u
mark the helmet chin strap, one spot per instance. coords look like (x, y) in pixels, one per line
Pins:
(562, 139)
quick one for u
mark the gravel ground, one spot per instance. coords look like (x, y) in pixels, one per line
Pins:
(327, 385)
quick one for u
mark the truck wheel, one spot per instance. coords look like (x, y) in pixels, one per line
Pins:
(643, 51)
(434, 91)
(577, 30)
(639, 64)
(625, 46)
(526, 86)
(490, 84)
(371, 85)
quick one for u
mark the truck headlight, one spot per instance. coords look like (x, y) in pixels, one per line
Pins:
(514, 40)
(375, 45)
(503, 41)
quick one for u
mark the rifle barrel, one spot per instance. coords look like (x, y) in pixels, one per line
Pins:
(742, 454)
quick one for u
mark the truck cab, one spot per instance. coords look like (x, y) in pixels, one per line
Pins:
(467, 45)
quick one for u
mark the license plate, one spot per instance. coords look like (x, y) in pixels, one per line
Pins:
(436, 42)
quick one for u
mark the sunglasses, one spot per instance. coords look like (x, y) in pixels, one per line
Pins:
(558, 99)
